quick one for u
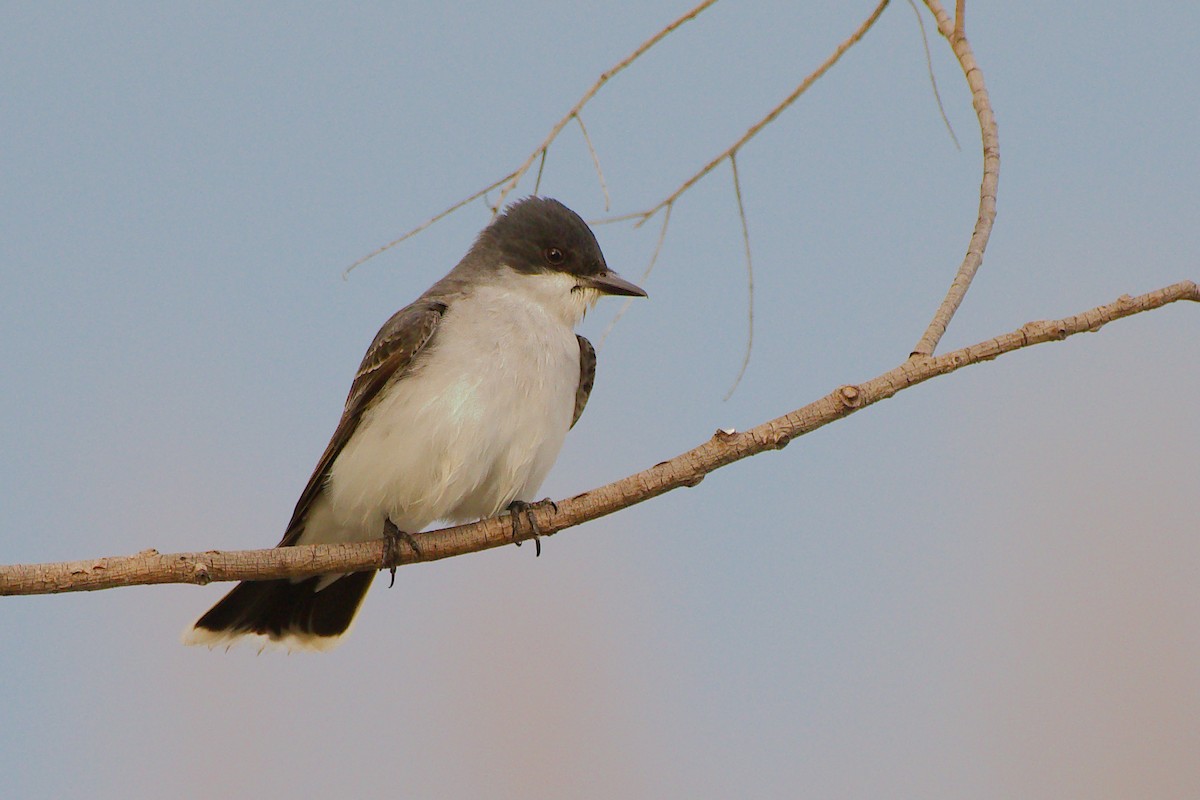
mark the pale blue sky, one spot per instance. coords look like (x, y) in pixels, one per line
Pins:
(985, 587)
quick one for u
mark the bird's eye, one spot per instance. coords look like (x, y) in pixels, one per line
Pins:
(555, 256)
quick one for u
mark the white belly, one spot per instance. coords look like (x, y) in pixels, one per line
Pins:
(478, 425)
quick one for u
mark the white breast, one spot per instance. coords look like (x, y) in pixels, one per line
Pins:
(476, 426)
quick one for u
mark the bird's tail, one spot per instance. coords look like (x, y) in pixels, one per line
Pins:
(312, 614)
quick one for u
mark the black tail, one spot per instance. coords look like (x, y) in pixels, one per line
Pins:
(297, 615)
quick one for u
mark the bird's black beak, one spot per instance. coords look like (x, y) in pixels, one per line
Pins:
(610, 282)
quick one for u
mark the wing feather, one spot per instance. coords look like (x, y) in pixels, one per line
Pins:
(587, 376)
(397, 344)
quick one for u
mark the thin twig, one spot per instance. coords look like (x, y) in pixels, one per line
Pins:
(752, 131)
(933, 78)
(537, 184)
(987, 187)
(595, 161)
(737, 190)
(425, 224)
(604, 78)
(687, 469)
(662, 235)
(510, 181)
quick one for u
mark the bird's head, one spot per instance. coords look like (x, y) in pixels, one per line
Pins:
(540, 237)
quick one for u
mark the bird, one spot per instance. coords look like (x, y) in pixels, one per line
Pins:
(457, 413)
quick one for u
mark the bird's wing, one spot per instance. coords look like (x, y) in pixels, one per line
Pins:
(398, 342)
(587, 376)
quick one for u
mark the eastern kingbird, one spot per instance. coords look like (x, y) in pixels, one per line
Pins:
(458, 411)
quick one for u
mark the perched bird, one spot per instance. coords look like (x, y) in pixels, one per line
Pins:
(458, 411)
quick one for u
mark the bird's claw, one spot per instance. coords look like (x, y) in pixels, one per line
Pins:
(392, 536)
(519, 507)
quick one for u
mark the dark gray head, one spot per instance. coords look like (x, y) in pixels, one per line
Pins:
(540, 235)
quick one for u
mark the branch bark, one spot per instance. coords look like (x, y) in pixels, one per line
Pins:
(686, 469)
(990, 137)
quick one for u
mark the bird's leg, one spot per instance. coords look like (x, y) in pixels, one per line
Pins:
(391, 547)
(518, 507)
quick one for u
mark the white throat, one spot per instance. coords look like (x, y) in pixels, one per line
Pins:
(558, 293)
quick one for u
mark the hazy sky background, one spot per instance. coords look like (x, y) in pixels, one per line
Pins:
(986, 587)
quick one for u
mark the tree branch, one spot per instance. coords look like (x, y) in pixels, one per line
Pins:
(937, 95)
(686, 469)
(643, 216)
(990, 136)
(510, 181)
(604, 78)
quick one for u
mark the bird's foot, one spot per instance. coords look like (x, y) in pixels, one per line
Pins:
(391, 547)
(519, 507)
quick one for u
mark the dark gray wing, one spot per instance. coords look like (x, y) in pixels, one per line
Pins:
(398, 342)
(587, 376)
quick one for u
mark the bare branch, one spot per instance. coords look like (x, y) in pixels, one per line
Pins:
(537, 183)
(425, 224)
(987, 188)
(595, 162)
(510, 181)
(737, 190)
(662, 235)
(932, 77)
(752, 131)
(604, 78)
(687, 469)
